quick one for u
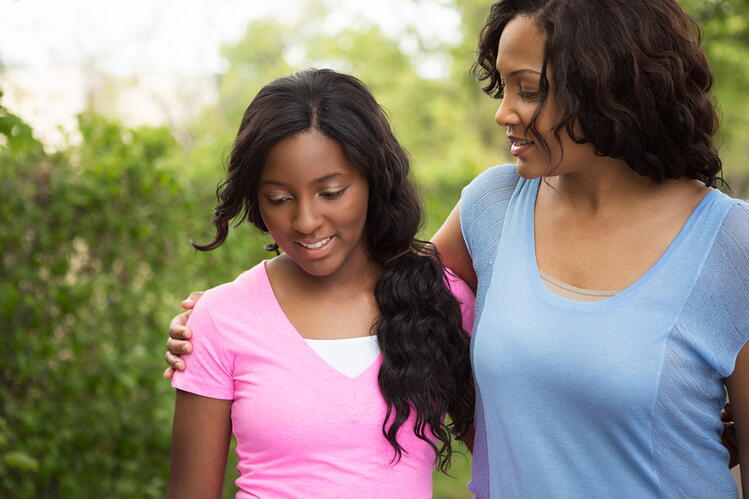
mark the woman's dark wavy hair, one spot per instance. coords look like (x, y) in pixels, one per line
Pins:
(425, 352)
(630, 72)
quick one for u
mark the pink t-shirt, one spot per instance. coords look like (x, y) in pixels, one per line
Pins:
(303, 429)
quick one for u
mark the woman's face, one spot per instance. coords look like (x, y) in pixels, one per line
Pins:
(520, 58)
(313, 201)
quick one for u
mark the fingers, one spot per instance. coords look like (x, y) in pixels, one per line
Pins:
(178, 347)
(729, 441)
(177, 327)
(191, 300)
(169, 372)
(726, 415)
(174, 362)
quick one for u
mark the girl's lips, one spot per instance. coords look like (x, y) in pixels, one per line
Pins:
(317, 244)
(316, 250)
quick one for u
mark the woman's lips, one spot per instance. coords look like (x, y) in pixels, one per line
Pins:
(519, 146)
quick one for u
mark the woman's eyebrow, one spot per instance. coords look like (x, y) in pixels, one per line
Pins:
(518, 71)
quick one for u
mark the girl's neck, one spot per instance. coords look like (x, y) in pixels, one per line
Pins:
(357, 275)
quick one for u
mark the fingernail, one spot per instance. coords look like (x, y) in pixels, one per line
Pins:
(188, 348)
(188, 333)
(179, 365)
(167, 374)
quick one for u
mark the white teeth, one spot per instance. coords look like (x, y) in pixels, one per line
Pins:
(318, 244)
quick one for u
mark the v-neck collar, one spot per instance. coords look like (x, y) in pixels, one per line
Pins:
(313, 368)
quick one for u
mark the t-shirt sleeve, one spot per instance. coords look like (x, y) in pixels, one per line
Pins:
(465, 296)
(734, 246)
(715, 319)
(207, 370)
(483, 204)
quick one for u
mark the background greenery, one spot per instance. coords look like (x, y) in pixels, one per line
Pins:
(94, 253)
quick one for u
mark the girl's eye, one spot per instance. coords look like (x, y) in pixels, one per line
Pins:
(332, 195)
(528, 95)
(276, 201)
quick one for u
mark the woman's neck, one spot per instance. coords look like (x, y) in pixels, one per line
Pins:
(608, 184)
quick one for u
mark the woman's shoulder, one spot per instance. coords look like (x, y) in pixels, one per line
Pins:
(483, 205)
(491, 187)
(494, 179)
(733, 236)
(716, 314)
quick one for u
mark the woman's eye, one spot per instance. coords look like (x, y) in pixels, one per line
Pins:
(528, 95)
(332, 195)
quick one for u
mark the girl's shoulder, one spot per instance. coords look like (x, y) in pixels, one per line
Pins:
(249, 286)
(465, 296)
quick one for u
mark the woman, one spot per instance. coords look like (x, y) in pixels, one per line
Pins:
(284, 355)
(612, 308)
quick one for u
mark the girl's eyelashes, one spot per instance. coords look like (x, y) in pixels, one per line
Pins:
(276, 201)
(326, 195)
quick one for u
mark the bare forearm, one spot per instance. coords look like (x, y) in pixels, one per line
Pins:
(449, 242)
(200, 443)
(738, 392)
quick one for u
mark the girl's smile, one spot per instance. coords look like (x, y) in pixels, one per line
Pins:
(313, 201)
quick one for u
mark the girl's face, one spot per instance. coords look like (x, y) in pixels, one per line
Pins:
(520, 57)
(313, 201)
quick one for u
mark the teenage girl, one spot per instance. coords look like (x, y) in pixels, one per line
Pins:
(335, 363)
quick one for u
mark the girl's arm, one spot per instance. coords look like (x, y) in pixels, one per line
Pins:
(200, 442)
(449, 242)
(738, 392)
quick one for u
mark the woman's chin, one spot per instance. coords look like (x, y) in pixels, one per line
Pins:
(530, 169)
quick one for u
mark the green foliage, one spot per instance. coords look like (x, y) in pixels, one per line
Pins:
(83, 234)
(94, 238)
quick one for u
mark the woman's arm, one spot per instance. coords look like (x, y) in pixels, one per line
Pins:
(738, 392)
(200, 442)
(179, 336)
(449, 242)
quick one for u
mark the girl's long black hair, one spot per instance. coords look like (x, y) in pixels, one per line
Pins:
(425, 369)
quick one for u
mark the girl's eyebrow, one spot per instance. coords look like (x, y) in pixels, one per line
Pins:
(313, 181)
(326, 177)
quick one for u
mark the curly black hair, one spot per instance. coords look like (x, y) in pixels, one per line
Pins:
(631, 73)
(426, 366)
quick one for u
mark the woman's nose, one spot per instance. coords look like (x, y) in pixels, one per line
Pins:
(505, 114)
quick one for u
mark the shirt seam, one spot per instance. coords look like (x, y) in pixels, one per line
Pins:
(669, 337)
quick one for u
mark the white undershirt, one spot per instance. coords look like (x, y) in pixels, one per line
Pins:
(350, 356)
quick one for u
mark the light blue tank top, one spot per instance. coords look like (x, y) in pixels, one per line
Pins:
(615, 398)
